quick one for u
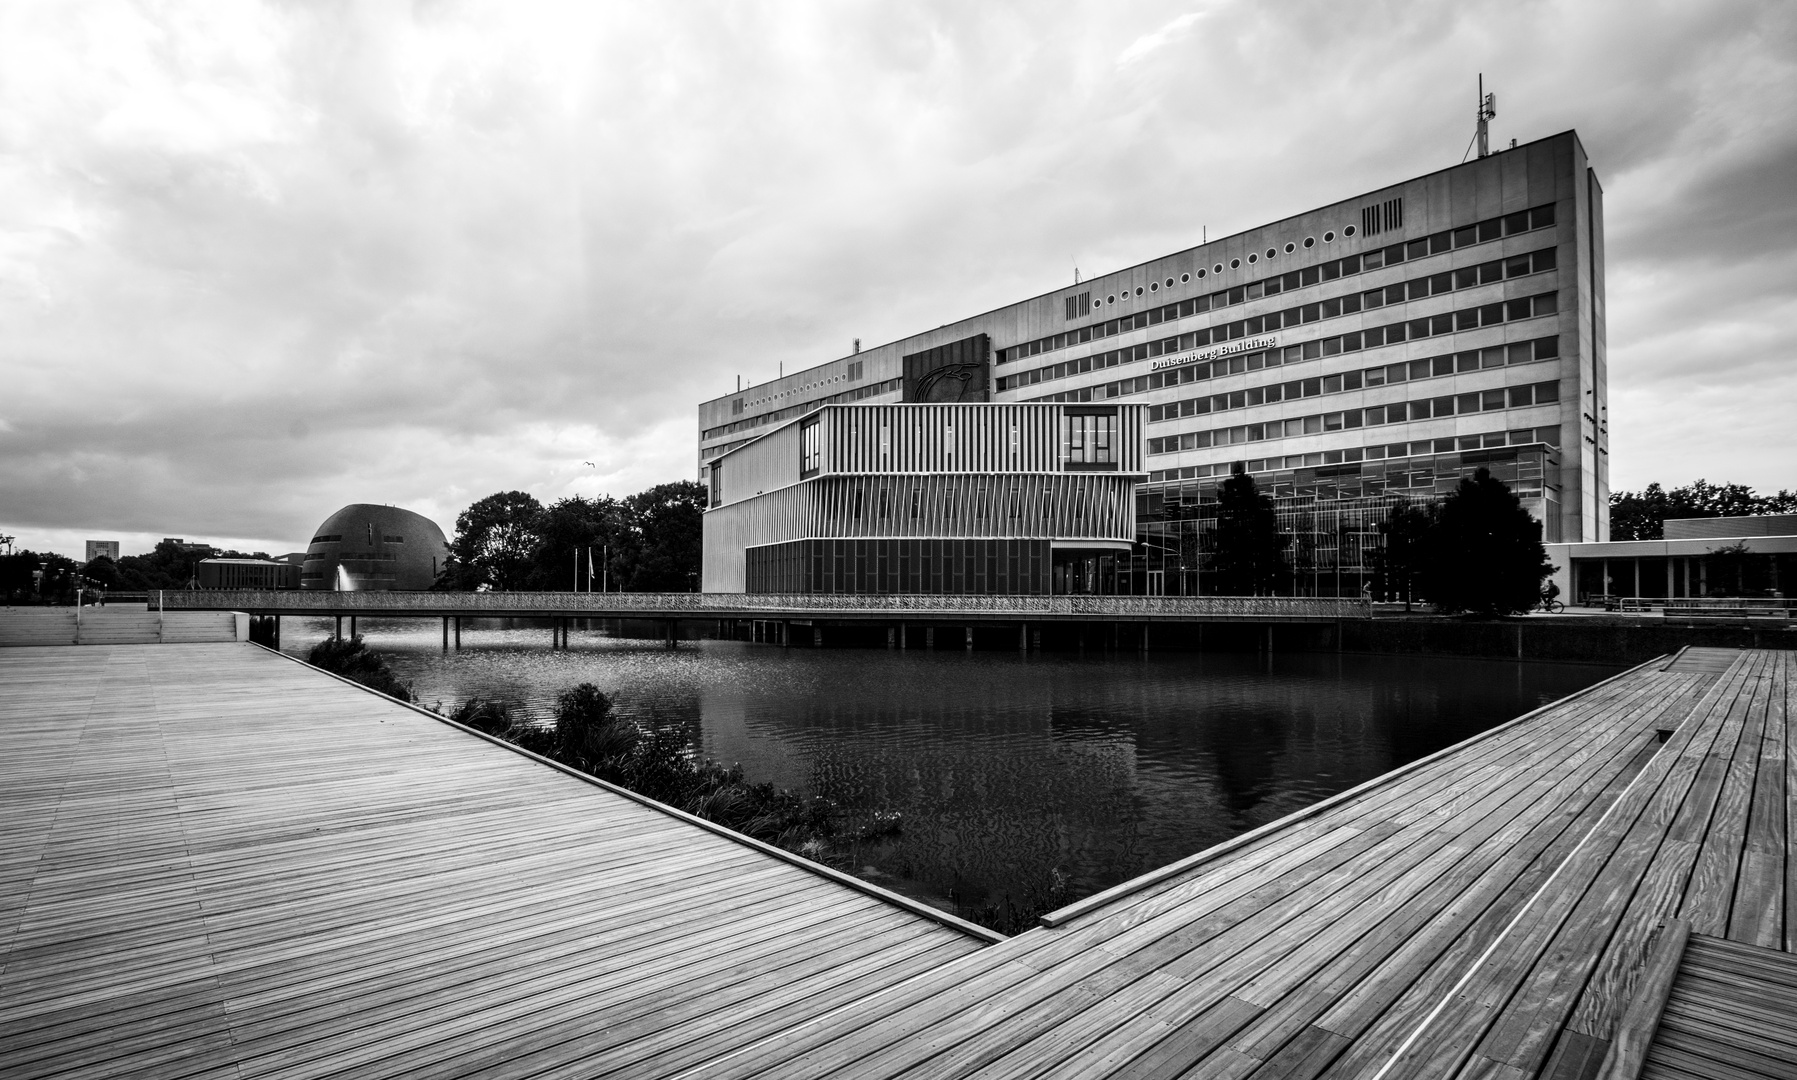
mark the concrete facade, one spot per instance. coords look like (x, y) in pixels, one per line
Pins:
(1373, 349)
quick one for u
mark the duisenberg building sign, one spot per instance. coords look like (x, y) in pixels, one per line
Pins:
(1244, 345)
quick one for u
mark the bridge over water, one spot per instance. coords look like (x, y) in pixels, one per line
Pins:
(773, 616)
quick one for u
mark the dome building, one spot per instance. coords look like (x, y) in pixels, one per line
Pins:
(365, 547)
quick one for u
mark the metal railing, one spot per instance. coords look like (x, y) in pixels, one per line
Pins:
(749, 605)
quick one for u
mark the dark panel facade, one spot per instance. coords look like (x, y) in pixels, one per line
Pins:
(948, 373)
(940, 567)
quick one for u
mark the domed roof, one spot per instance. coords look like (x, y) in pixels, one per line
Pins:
(370, 547)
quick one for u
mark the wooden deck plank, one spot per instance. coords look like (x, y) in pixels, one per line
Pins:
(220, 860)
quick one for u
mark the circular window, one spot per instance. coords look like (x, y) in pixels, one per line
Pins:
(1235, 264)
(1349, 231)
(1096, 304)
(1310, 241)
(1272, 253)
(1111, 299)
(1169, 283)
(1200, 272)
(1218, 269)
(1328, 238)
(1253, 258)
(1289, 248)
(1138, 290)
(1183, 278)
(1154, 286)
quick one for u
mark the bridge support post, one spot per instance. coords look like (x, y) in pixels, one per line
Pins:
(352, 626)
(458, 633)
(1145, 637)
(673, 633)
(892, 637)
(903, 632)
(336, 628)
(445, 633)
(929, 637)
(1023, 637)
(785, 634)
(277, 633)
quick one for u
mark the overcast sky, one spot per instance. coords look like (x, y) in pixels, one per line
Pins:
(258, 261)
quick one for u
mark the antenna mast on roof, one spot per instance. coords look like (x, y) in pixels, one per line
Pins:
(1487, 112)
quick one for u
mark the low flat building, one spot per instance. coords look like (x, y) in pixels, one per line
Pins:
(246, 574)
(943, 498)
(1697, 557)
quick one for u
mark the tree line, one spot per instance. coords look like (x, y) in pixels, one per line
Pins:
(647, 542)
(1641, 515)
(169, 566)
(1475, 552)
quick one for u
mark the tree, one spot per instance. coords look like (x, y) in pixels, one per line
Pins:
(495, 540)
(18, 580)
(101, 570)
(1249, 556)
(667, 521)
(1642, 515)
(1403, 552)
(1484, 551)
(570, 527)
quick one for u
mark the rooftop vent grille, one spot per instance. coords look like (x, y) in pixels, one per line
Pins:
(1078, 305)
(1382, 216)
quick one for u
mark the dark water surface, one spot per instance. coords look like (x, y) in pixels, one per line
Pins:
(1009, 770)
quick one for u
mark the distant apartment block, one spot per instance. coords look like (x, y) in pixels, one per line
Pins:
(98, 548)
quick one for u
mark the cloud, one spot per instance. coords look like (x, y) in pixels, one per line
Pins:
(1167, 34)
(261, 260)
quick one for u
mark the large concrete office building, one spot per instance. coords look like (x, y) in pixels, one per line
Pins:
(1373, 349)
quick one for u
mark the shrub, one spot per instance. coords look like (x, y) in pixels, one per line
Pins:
(353, 660)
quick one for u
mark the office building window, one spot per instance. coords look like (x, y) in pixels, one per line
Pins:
(811, 449)
(1089, 437)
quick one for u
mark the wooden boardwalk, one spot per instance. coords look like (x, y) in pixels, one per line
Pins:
(216, 862)
(1485, 914)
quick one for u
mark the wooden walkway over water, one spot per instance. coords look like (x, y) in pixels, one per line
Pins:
(217, 862)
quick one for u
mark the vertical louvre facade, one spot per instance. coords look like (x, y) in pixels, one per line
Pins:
(974, 498)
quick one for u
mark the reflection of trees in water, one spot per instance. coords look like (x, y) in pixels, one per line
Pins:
(1245, 751)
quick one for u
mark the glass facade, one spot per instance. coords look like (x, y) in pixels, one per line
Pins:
(1332, 512)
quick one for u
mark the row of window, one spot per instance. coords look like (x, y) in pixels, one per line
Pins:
(801, 409)
(1428, 367)
(1539, 217)
(1414, 448)
(1435, 284)
(1504, 397)
(1450, 322)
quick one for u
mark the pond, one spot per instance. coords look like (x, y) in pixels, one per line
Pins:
(1012, 772)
